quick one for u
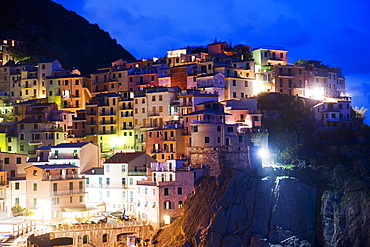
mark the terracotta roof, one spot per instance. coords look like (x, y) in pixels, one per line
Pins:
(123, 157)
(31, 119)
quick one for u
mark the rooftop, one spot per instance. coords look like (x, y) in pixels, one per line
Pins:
(63, 166)
(71, 145)
(124, 157)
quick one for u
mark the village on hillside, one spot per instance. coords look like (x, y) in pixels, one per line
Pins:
(134, 138)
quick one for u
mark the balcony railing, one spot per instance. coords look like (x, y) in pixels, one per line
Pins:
(60, 177)
(107, 122)
(152, 114)
(105, 186)
(108, 113)
(137, 173)
(56, 157)
(107, 132)
(35, 142)
(149, 183)
(67, 192)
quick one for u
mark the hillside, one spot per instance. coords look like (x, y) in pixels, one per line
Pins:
(325, 203)
(51, 31)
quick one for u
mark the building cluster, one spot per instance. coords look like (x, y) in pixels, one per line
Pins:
(135, 136)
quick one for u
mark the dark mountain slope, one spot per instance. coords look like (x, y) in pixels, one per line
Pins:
(51, 31)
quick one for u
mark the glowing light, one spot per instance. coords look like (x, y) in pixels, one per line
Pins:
(318, 93)
(116, 141)
(167, 219)
(265, 156)
(263, 152)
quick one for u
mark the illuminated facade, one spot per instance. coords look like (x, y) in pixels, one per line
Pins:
(160, 200)
(52, 188)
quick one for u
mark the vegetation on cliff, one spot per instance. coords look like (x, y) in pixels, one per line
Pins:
(51, 31)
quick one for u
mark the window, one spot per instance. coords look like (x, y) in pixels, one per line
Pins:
(195, 128)
(17, 201)
(16, 186)
(179, 190)
(180, 204)
(230, 129)
(81, 199)
(34, 172)
(234, 83)
(19, 160)
(84, 239)
(21, 126)
(55, 201)
(12, 173)
(240, 138)
(166, 192)
(207, 139)
(105, 238)
(35, 126)
(218, 128)
(245, 83)
(6, 160)
(131, 181)
(167, 205)
(34, 186)
(160, 98)
(234, 94)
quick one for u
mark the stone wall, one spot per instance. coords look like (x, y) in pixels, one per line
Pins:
(116, 236)
(217, 159)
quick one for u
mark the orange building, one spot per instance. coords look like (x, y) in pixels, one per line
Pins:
(51, 189)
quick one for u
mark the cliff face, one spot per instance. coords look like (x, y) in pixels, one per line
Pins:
(240, 209)
(345, 219)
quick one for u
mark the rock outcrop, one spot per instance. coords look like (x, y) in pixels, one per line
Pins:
(241, 209)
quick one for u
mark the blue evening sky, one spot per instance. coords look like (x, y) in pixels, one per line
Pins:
(334, 32)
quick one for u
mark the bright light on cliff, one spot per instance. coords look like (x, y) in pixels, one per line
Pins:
(265, 156)
(263, 152)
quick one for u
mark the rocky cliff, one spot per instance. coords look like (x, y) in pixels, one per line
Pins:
(241, 208)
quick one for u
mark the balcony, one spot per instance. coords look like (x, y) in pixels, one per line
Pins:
(105, 186)
(61, 157)
(107, 122)
(287, 75)
(171, 139)
(35, 142)
(107, 132)
(67, 192)
(153, 114)
(138, 172)
(107, 113)
(60, 177)
(79, 118)
(148, 183)
(3, 183)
